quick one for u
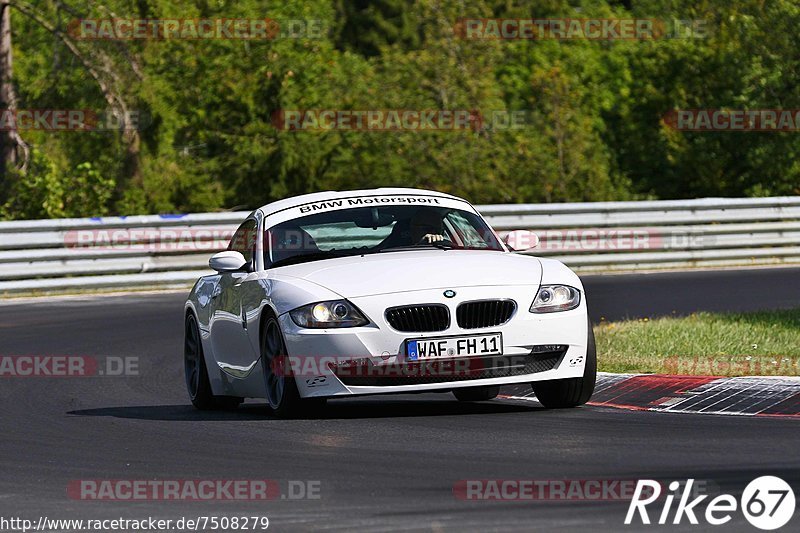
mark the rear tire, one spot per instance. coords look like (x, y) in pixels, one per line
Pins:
(281, 389)
(194, 364)
(477, 394)
(571, 392)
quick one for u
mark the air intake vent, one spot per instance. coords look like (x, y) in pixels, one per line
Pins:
(484, 313)
(417, 318)
(363, 373)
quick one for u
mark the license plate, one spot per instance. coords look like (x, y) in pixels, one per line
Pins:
(439, 347)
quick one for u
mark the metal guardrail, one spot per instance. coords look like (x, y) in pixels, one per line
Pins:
(173, 250)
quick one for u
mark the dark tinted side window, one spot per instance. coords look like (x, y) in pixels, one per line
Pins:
(244, 241)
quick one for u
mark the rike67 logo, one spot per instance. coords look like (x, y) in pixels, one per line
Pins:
(767, 503)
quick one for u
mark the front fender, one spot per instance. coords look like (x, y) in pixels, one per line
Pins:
(556, 272)
(285, 293)
(276, 294)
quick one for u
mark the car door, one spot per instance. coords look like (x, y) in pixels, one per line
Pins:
(229, 322)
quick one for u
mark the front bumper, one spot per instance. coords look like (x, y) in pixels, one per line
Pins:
(371, 359)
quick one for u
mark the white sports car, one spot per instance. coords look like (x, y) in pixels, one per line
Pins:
(337, 294)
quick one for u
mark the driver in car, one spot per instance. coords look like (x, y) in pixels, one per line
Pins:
(426, 227)
(423, 227)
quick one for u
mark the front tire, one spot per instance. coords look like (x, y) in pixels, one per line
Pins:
(281, 388)
(571, 392)
(477, 394)
(194, 365)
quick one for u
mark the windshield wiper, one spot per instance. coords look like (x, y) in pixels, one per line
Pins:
(442, 245)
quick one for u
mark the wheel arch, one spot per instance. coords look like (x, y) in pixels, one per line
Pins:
(266, 313)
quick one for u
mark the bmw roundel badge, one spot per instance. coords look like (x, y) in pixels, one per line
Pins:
(449, 293)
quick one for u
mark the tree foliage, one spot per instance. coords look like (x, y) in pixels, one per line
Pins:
(594, 110)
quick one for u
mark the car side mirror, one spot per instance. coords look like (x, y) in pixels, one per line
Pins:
(227, 261)
(520, 240)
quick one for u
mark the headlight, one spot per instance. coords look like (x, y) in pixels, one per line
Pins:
(551, 298)
(335, 314)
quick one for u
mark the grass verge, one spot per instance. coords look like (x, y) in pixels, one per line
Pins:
(764, 343)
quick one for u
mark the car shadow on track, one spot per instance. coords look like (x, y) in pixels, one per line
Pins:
(399, 408)
(362, 408)
(176, 413)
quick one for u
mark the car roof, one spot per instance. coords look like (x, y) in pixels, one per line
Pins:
(280, 205)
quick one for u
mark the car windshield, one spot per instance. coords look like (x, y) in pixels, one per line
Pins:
(366, 230)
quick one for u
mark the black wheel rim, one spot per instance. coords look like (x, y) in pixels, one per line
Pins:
(191, 356)
(273, 351)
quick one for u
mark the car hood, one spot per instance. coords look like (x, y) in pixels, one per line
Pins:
(391, 272)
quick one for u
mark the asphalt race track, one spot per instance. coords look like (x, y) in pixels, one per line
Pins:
(383, 463)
